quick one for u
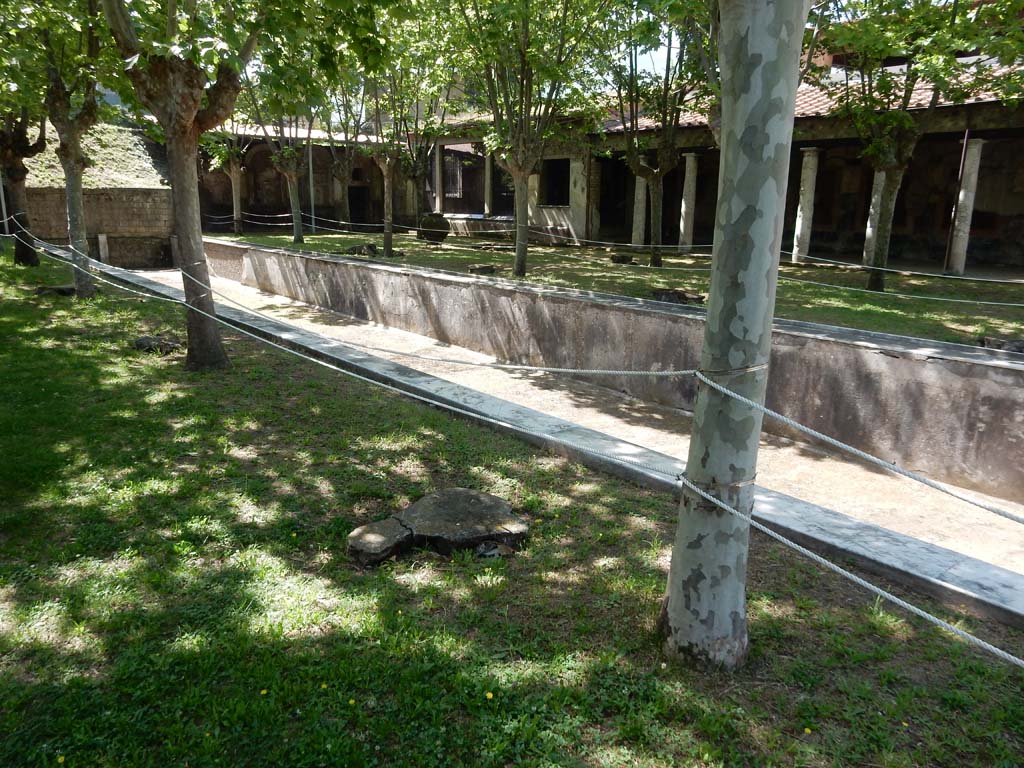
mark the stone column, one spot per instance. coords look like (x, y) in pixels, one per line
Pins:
(639, 211)
(876, 205)
(488, 184)
(687, 209)
(438, 177)
(103, 248)
(965, 207)
(805, 209)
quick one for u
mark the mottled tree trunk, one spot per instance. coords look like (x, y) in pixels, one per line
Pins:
(341, 168)
(419, 189)
(205, 350)
(521, 183)
(656, 191)
(24, 250)
(715, 122)
(295, 203)
(235, 174)
(73, 162)
(883, 234)
(388, 171)
(704, 614)
(874, 209)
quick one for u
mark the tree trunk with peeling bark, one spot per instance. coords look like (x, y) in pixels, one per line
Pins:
(63, 89)
(205, 350)
(704, 614)
(521, 183)
(24, 251)
(656, 193)
(235, 174)
(294, 204)
(387, 171)
(877, 255)
(186, 104)
(73, 161)
(341, 169)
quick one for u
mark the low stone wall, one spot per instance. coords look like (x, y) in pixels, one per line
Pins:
(953, 412)
(137, 222)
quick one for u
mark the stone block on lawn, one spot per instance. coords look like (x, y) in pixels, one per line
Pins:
(676, 296)
(460, 518)
(366, 249)
(1007, 345)
(452, 519)
(161, 345)
(56, 290)
(376, 542)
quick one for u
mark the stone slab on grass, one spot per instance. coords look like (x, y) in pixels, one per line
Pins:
(376, 542)
(459, 518)
(445, 521)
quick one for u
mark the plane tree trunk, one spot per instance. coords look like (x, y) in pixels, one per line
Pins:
(878, 256)
(24, 251)
(656, 193)
(15, 148)
(235, 174)
(186, 104)
(521, 186)
(704, 614)
(294, 204)
(74, 163)
(387, 165)
(341, 169)
(205, 349)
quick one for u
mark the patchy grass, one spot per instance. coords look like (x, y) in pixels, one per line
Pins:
(590, 269)
(174, 589)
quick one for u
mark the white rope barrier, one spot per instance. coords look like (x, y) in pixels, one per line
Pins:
(786, 278)
(888, 466)
(678, 373)
(881, 294)
(425, 229)
(682, 481)
(864, 268)
(633, 246)
(863, 583)
(228, 218)
(452, 361)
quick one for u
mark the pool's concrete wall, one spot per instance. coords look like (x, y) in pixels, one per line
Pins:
(953, 412)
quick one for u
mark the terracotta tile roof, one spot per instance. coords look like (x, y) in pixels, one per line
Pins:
(811, 101)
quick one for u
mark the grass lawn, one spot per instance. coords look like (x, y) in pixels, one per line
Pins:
(590, 269)
(174, 589)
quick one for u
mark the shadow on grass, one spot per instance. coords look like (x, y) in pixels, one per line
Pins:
(174, 590)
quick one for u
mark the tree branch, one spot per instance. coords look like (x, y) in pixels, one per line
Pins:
(122, 27)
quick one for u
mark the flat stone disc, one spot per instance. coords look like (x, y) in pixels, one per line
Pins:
(460, 518)
(455, 518)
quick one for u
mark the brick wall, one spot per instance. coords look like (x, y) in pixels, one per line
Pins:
(115, 212)
(137, 222)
